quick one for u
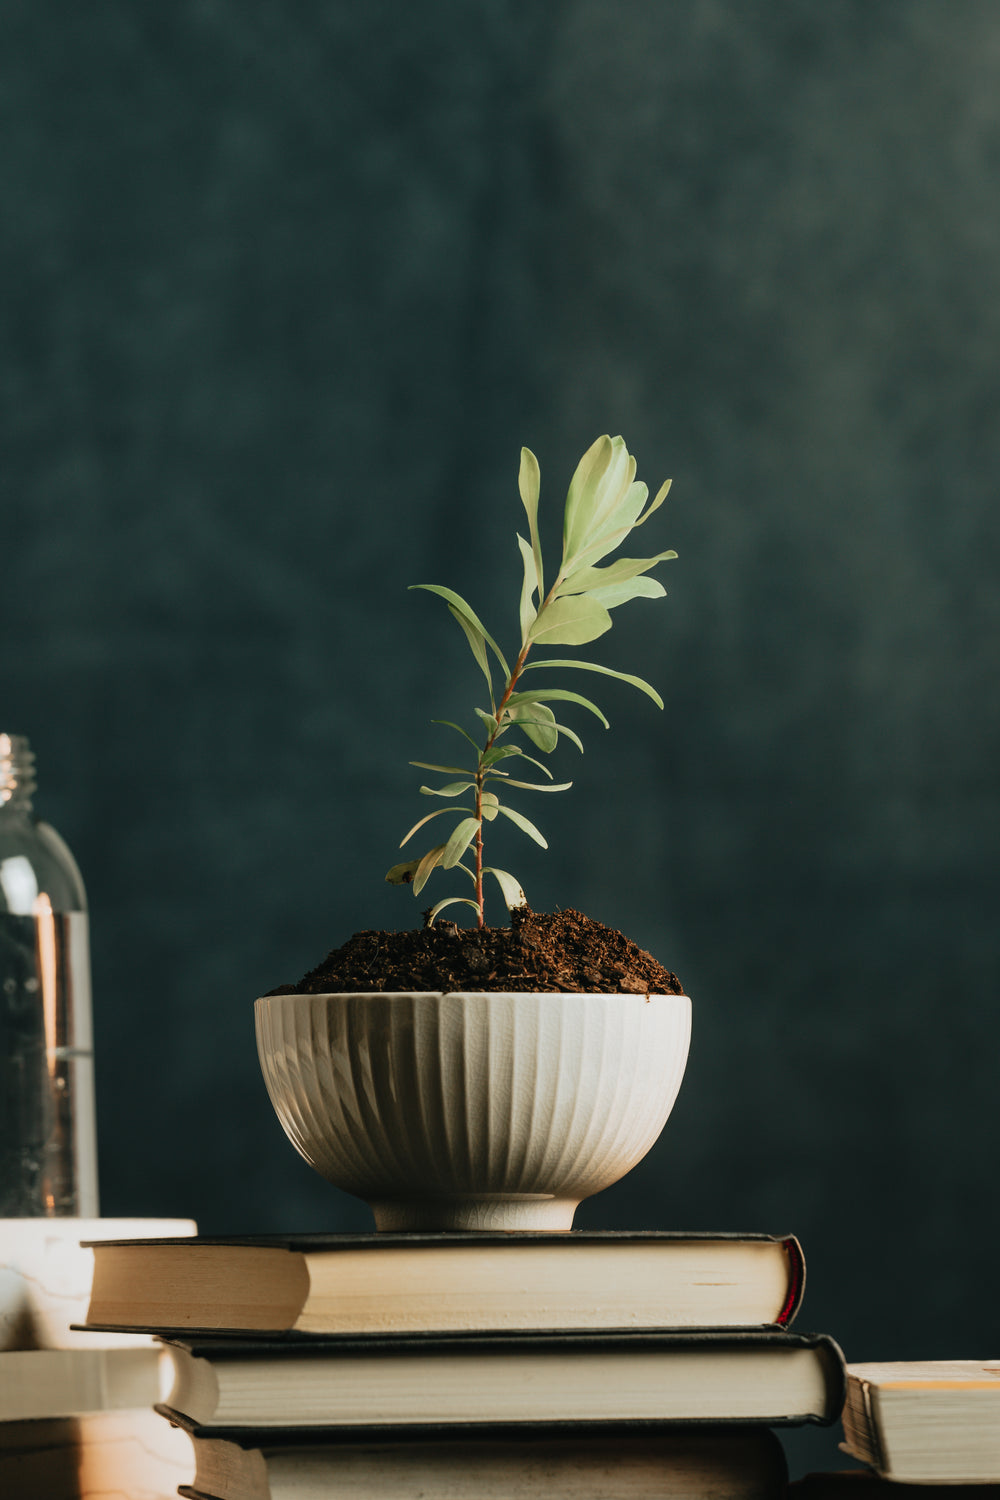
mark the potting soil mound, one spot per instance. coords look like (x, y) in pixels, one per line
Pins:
(564, 952)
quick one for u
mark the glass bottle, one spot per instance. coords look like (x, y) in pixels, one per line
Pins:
(48, 1137)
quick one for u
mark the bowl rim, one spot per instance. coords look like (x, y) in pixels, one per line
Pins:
(537, 995)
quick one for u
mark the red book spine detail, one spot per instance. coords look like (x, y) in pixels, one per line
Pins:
(796, 1281)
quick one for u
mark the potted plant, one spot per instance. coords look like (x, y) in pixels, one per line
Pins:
(484, 1078)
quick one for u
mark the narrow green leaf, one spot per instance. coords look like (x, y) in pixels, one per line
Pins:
(513, 895)
(562, 728)
(450, 901)
(456, 602)
(537, 721)
(463, 732)
(426, 765)
(543, 695)
(453, 789)
(477, 644)
(590, 666)
(426, 867)
(533, 762)
(529, 482)
(583, 580)
(402, 874)
(439, 813)
(533, 786)
(488, 720)
(655, 503)
(526, 609)
(525, 825)
(572, 621)
(460, 840)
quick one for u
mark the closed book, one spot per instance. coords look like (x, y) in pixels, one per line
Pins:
(579, 1379)
(416, 1283)
(687, 1464)
(923, 1421)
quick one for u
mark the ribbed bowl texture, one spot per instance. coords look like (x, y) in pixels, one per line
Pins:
(473, 1111)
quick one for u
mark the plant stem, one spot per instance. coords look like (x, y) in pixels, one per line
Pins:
(480, 903)
(516, 671)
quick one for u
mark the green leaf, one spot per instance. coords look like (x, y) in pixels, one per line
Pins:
(450, 901)
(544, 728)
(617, 526)
(402, 874)
(499, 752)
(426, 765)
(490, 804)
(477, 643)
(655, 504)
(584, 580)
(460, 840)
(453, 789)
(488, 720)
(463, 732)
(537, 721)
(529, 482)
(561, 695)
(571, 736)
(533, 762)
(426, 867)
(438, 814)
(590, 666)
(607, 502)
(525, 825)
(513, 895)
(459, 607)
(572, 621)
(621, 593)
(533, 786)
(526, 609)
(597, 469)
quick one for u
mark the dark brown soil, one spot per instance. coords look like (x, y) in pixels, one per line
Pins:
(564, 952)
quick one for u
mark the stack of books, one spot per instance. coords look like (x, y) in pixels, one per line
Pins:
(76, 1408)
(508, 1365)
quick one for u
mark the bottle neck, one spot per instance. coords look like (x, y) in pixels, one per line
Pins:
(17, 774)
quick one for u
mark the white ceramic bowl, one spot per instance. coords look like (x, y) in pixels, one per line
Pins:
(473, 1111)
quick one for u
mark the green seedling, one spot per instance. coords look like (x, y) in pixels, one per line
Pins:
(604, 505)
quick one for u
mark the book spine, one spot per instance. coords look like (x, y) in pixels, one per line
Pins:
(796, 1281)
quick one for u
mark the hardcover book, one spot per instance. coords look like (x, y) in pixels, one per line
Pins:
(688, 1463)
(925, 1421)
(416, 1283)
(582, 1379)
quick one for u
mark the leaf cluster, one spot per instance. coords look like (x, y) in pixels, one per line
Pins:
(605, 503)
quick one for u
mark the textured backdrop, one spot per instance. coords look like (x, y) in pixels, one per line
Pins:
(284, 289)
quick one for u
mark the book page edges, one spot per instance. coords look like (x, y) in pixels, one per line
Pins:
(529, 1285)
(250, 1287)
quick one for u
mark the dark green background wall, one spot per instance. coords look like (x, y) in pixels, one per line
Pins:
(284, 289)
